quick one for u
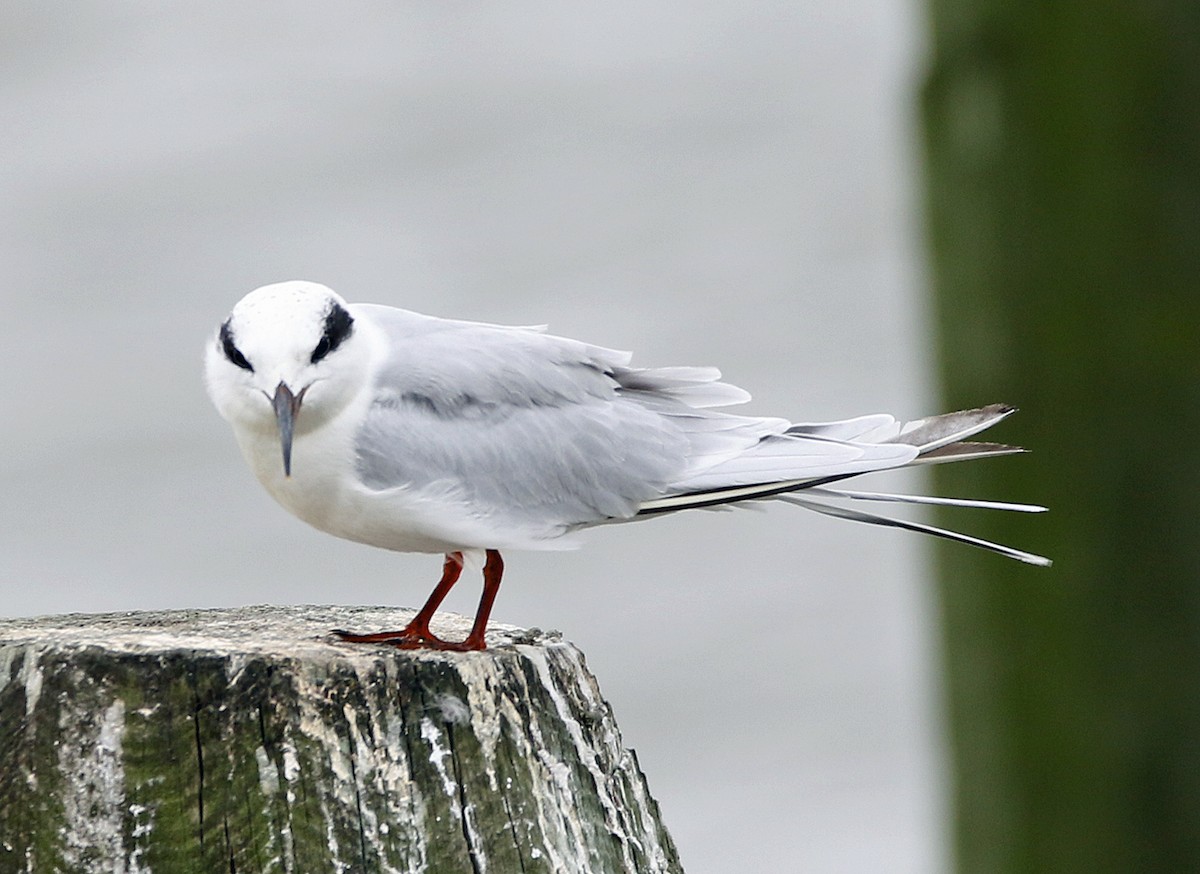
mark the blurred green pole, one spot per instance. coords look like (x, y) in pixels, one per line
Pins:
(1063, 194)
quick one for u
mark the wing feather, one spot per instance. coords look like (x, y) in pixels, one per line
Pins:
(521, 428)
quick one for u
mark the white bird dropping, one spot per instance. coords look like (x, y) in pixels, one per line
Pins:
(419, 434)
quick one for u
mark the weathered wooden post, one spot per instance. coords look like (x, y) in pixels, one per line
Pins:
(249, 740)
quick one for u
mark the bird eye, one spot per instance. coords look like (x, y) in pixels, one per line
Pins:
(231, 351)
(338, 326)
(323, 349)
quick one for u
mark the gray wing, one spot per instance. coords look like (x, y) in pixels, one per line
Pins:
(520, 426)
(546, 434)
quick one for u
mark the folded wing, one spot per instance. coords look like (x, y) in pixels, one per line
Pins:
(533, 435)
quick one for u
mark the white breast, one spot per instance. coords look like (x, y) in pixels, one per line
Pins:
(325, 491)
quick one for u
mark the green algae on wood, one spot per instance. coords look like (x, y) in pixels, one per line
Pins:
(249, 740)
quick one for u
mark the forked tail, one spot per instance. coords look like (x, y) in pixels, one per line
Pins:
(936, 440)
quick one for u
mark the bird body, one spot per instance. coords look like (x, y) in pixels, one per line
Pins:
(420, 434)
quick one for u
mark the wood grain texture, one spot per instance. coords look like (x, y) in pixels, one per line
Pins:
(248, 740)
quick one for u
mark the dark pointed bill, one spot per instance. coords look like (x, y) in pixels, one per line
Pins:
(286, 405)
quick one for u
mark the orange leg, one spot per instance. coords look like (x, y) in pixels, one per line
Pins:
(417, 631)
(493, 570)
(416, 635)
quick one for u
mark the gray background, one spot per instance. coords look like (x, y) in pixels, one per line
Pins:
(702, 183)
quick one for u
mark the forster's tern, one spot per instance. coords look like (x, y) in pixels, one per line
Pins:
(422, 434)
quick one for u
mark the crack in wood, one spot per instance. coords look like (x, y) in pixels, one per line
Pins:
(229, 847)
(358, 807)
(512, 830)
(199, 767)
(477, 864)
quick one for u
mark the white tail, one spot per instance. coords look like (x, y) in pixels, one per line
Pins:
(934, 440)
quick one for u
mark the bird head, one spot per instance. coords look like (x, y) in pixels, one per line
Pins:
(287, 359)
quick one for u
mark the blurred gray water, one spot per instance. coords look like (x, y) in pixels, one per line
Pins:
(709, 183)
